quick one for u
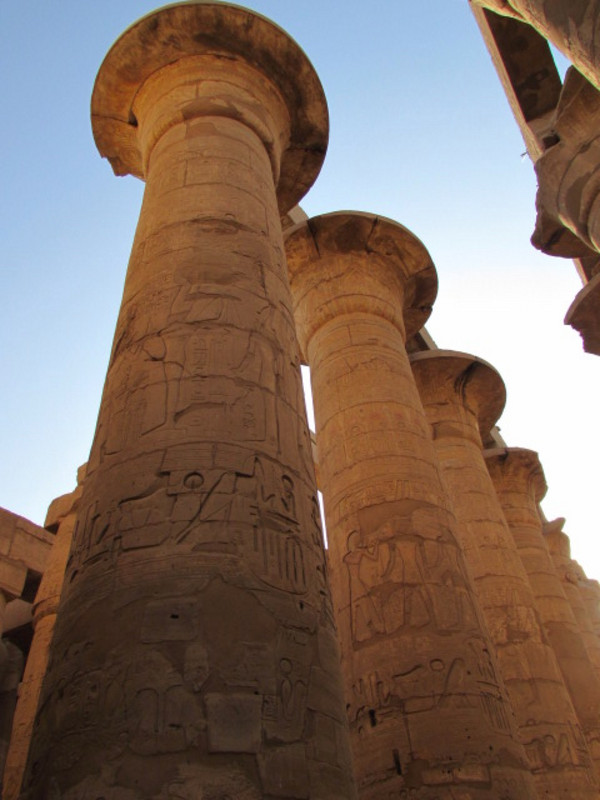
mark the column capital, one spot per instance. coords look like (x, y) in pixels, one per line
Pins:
(215, 31)
(516, 467)
(584, 315)
(447, 374)
(559, 543)
(350, 261)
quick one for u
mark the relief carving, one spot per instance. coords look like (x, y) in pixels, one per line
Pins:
(399, 579)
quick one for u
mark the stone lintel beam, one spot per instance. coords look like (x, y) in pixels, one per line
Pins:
(527, 71)
(405, 606)
(457, 388)
(571, 25)
(194, 33)
(584, 315)
(520, 484)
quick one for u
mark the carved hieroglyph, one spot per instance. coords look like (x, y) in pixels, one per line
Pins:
(425, 706)
(195, 653)
(520, 485)
(463, 397)
(572, 25)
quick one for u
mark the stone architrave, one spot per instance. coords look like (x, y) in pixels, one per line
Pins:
(425, 706)
(194, 653)
(572, 576)
(463, 397)
(520, 485)
(573, 26)
(61, 517)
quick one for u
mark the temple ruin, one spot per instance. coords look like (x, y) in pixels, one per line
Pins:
(178, 630)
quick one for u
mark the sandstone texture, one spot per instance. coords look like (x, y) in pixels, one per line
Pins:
(427, 712)
(463, 397)
(520, 484)
(194, 653)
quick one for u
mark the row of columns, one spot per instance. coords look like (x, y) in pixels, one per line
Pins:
(195, 651)
(409, 494)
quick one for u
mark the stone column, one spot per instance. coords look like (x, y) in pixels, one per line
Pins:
(426, 711)
(61, 518)
(520, 484)
(194, 653)
(572, 25)
(590, 591)
(463, 398)
(571, 576)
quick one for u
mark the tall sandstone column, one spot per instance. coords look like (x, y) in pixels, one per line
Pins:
(463, 397)
(195, 654)
(520, 484)
(426, 711)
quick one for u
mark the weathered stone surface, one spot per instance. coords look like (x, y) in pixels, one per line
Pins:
(520, 484)
(572, 25)
(463, 397)
(195, 596)
(24, 548)
(571, 576)
(61, 517)
(584, 315)
(568, 183)
(414, 652)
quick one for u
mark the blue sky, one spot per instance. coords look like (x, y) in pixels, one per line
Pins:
(420, 132)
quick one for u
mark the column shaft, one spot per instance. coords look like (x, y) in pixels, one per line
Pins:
(423, 698)
(519, 483)
(571, 575)
(194, 653)
(460, 394)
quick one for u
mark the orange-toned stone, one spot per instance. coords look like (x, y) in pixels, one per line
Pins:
(520, 484)
(194, 653)
(572, 25)
(584, 314)
(61, 518)
(463, 397)
(590, 591)
(414, 652)
(572, 576)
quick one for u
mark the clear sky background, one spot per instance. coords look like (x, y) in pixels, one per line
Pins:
(420, 132)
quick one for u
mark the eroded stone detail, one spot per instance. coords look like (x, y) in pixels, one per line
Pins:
(520, 485)
(416, 660)
(195, 652)
(463, 397)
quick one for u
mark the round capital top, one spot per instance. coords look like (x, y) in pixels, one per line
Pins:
(354, 234)
(519, 465)
(202, 27)
(477, 384)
